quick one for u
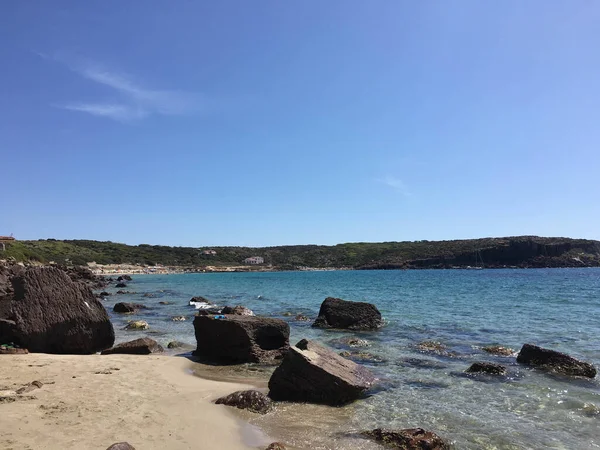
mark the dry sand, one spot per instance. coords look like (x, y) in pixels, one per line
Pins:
(93, 401)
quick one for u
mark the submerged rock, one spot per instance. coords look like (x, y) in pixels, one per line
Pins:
(486, 367)
(178, 318)
(436, 348)
(555, 361)
(120, 285)
(200, 300)
(233, 339)
(238, 310)
(301, 318)
(408, 439)
(137, 325)
(123, 307)
(142, 346)
(251, 400)
(43, 310)
(498, 350)
(178, 344)
(315, 374)
(124, 278)
(338, 313)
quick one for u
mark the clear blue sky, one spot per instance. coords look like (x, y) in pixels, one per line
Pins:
(278, 122)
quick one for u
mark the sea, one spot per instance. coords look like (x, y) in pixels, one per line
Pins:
(462, 310)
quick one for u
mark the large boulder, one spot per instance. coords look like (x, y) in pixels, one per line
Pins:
(338, 313)
(142, 346)
(555, 361)
(44, 310)
(315, 374)
(232, 339)
(251, 400)
(121, 446)
(408, 439)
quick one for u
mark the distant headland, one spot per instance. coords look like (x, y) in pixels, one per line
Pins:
(505, 252)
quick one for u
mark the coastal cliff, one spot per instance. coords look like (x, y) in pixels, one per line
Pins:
(520, 251)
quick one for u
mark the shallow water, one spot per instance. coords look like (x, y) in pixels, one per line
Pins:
(464, 310)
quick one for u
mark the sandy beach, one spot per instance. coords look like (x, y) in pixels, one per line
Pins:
(93, 401)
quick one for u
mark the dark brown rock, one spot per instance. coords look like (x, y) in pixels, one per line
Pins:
(408, 439)
(239, 339)
(178, 344)
(338, 313)
(122, 307)
(555, 361)
(124, 278)
(142, 346)
(121, 446)
(313, 373)
(121, 285)
(199, 299)
(238, 310)
(104, 294)
(486, 367)
(43, 310)
(251, 400)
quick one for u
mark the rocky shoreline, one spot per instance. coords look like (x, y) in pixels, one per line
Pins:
(75, 322)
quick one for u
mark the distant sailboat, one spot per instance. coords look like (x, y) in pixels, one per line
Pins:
(478, 262)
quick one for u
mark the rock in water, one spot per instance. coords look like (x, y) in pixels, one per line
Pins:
(128, 307)
(315, 374)
(121, 446)
(142, 346)
(408, 439)
(43, 310)
(498, 350)
(251, 400)
(485, 367)
(238, 339)
(238, 310)
(555, 361)
(338, 313)
(137, 325)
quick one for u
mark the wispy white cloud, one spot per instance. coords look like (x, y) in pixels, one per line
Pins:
(123, 113)
(395, 183)
(135, 102)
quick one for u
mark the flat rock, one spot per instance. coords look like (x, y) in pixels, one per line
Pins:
(555, 361)
(488, 368)
(232, 339)
(251, 400)
(344, 314)
(498, 350)
(408, 439)
(238, 310)
(142, 346)
(44, 310)
(313, 373)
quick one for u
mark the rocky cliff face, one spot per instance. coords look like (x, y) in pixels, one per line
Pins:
(530, 252)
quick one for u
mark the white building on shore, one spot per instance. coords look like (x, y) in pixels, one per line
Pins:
(254, 260)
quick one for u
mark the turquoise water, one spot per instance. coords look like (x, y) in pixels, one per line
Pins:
(462, 309)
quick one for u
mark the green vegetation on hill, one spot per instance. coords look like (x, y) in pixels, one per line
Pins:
(523, 251)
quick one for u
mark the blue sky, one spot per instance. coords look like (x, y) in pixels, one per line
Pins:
(272, 122)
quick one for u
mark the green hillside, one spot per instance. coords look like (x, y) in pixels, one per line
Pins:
(525, 251)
